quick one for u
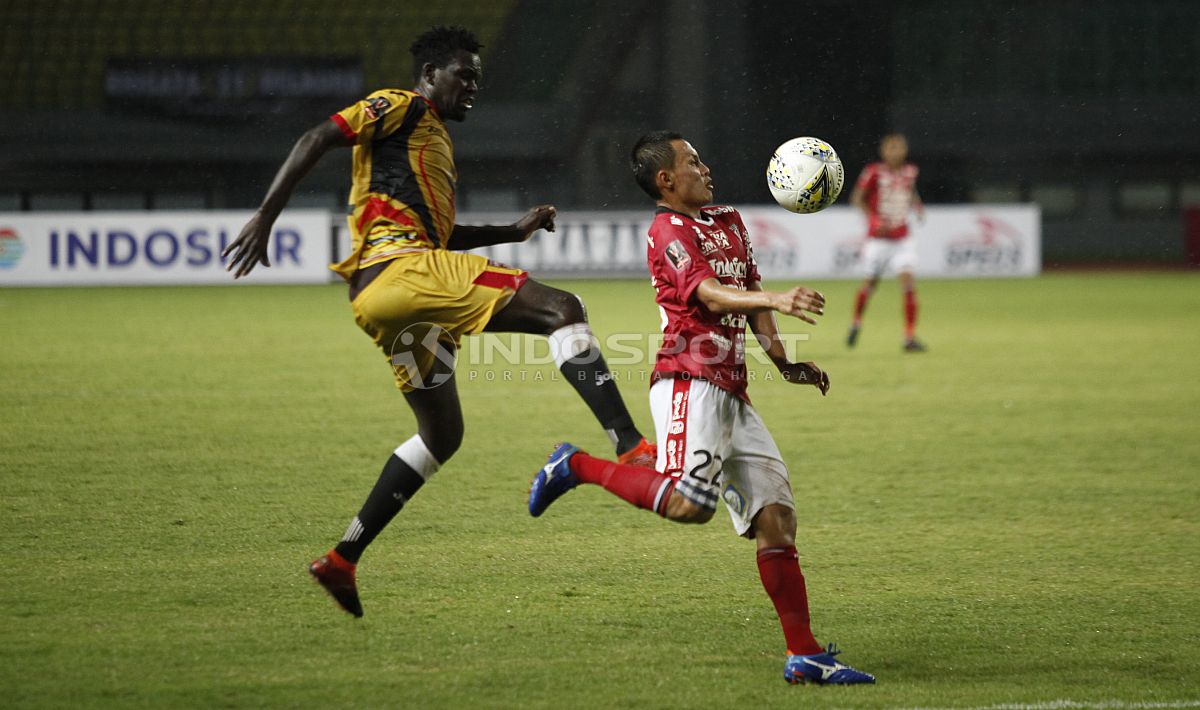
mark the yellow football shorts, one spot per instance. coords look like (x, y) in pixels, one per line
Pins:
(424, 302)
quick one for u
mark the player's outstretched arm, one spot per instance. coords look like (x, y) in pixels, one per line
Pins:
(250, 248)
(798, 302)
(468, 237)
(858, 199)
(766, 330)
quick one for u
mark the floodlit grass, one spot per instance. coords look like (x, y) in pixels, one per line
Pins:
(1013, 517)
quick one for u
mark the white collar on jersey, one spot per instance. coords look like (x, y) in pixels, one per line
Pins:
(706, 221)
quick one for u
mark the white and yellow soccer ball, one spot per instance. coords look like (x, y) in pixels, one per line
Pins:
(805, 175)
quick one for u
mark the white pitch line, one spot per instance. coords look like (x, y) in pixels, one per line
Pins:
(1082, 705)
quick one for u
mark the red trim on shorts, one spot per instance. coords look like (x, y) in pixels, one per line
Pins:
(345, 127)
(676, 444)
(497, 279)
(378, 207)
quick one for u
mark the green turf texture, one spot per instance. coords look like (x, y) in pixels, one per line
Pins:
(1013, 517)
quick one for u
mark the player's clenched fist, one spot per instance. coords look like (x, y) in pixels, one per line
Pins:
(540, 217)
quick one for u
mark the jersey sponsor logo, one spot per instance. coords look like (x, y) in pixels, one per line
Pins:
(678, 255)
(677, 426)
(11, 247)
(729, 268)
(721, 209)
(676, 221)
(716, 235)
(376, 107)
(737, 321)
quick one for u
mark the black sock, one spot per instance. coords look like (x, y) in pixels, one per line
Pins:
(589, 375)
(397, 483)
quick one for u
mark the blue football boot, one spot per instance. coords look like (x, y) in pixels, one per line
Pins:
(823, 669)
(553, 480)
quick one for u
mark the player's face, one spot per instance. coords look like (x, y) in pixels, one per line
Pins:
(692, 185)
(894, 150)
(452, 88)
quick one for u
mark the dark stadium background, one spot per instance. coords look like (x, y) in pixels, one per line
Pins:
(1090, 109)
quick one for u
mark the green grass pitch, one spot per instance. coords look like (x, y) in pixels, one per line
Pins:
(1011, 518)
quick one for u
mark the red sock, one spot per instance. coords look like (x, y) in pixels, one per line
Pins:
(779, 568)
(910, 313)
(860, 303)
(643, 487)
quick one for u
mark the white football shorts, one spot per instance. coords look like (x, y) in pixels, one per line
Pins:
(879, 255)
(717, 446)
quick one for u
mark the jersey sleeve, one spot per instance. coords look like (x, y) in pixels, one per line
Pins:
(677, 259)
(866, 179)
(752, 274)
(376, 116)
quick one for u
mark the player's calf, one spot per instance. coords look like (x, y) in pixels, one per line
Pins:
(682, 510)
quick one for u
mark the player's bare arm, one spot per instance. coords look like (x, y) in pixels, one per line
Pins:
(798, 302)
(250, 248)
(859, 200)
(766, 330)
(469, 237)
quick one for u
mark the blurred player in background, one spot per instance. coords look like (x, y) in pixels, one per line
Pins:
(414, 296)
(712, 442)
(886, 192)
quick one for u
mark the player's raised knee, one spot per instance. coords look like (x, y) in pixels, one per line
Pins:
(443, 442)
(568, 309)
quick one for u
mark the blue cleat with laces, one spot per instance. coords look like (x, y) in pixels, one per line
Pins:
(823, 669)
(553, 480)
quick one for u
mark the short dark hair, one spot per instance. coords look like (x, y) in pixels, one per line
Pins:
(439, 44)
(651, 153)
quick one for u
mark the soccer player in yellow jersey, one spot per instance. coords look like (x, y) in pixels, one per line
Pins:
(412, 294)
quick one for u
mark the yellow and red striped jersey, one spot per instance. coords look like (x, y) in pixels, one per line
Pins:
(402, 191)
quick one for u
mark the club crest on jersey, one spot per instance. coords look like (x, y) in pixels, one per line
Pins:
(376, 107)
(678, 255)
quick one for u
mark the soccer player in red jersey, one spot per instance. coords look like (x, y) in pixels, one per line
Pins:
(886, 192)
(414, 293)
(712, 443)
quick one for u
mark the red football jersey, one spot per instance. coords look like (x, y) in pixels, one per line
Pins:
(889, 196)
(681, 253)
